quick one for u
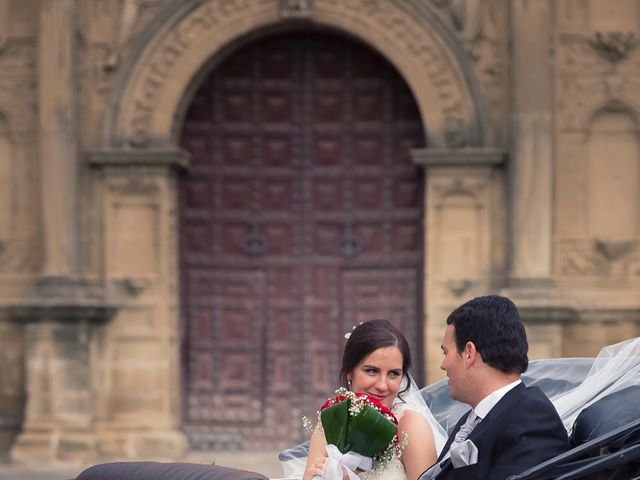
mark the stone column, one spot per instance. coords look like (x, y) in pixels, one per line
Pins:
(464, 235)
(62, 314)
(531, 176)
(531, 159)
(58, 135)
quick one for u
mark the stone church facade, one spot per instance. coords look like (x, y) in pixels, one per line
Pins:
(199, 197)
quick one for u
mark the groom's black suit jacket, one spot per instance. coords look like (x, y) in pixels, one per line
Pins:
(521, 430)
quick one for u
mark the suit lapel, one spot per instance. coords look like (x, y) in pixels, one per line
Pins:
(510, 398)
(505, 403)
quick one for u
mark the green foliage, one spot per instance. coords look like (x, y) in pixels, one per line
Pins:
(367, 433)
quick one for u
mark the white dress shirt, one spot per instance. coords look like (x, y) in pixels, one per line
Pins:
(487, 403)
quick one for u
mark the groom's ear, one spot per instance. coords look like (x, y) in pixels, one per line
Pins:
(470, 355)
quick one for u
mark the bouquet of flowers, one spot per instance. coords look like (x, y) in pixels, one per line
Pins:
(361, 434)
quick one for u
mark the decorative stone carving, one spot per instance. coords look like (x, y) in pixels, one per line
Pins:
(169, 63)
(296, 8)
(579, 97)
(597, 258)
(466, 16)
(591, 74)
(18, 56)
(613, 46)
(459, 287)
(133, 185)
(481, 27)
(613, 251)
(135, 286)
(107, 28)
(147, 10)
(471, 187)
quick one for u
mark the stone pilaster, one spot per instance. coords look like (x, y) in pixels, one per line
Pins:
(63, 313)
(138, 414)
(530, 280)
(464, 234)
(531, 159)
(58, 136)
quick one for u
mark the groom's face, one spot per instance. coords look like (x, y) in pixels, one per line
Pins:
(452, 364)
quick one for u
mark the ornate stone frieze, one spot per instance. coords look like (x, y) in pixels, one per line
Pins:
(599, 258)
(156, 85)
(597, 54)
(133, 185)
(455, 187)
(63, 298)
(295, 8)
(594, 71)
(581, 95)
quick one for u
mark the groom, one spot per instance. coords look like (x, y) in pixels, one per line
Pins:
(510, 427)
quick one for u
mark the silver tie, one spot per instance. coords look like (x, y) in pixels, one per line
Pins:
(461, 436)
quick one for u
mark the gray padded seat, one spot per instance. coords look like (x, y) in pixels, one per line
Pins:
(164, 471)
(609, 413)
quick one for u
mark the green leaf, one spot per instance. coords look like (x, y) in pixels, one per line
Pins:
(335, 422)
(370, 432)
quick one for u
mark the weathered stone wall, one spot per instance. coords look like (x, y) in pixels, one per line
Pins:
(596, 241)
(20, 254)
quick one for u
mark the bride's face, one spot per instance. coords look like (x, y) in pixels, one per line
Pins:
(379, 374)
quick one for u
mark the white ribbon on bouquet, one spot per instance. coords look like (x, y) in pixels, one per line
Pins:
(338, 464)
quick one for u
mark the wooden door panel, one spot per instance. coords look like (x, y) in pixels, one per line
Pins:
(300, 216)
(386, 293)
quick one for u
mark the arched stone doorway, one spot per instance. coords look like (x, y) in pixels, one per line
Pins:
(138, 161)
(300, 216)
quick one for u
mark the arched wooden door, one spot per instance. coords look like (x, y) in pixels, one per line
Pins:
(300, 216)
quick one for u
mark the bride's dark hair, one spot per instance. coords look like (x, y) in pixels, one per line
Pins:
(368, 337)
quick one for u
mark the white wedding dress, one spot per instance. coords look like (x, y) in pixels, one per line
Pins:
(394, 470)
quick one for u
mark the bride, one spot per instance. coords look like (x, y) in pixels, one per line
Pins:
(376, 361)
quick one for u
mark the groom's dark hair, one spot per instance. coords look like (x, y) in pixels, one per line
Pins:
(368, 337)
(492, 323)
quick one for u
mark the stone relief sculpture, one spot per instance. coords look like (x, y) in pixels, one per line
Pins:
(296, 8)
(481, 26)
(613, 46)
